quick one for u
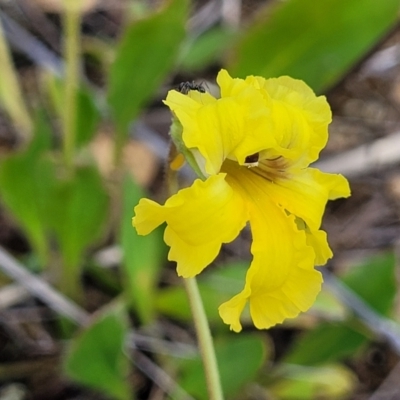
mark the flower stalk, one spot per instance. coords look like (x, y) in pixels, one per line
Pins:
(204, 337)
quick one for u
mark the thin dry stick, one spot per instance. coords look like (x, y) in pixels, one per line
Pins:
(41, 289)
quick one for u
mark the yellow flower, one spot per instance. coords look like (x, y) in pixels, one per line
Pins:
(253, 145)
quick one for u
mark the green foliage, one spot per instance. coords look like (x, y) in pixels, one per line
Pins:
(97, 357)
(45, 200)
(145, 55)
(172, 301)
(216, 286)
(65, 207)
(317, 41)
(26, 180)
(374, 281)
(325, 343)
(88, 115)
(304, 383)
(206, 49)
(79, 210)
(142, 256)
(239, 359)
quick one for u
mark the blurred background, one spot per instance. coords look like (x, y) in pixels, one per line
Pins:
(90, 310)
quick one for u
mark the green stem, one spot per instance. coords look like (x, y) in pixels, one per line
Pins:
(10, 91)
(205, 340)
(72, 20)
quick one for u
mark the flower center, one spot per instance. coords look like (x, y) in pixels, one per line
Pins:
(252, 160)
(271, 169)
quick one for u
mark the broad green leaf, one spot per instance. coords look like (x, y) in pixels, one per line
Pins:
(330, 382)
(26, 183)
(206, 49)
(374, 281)
(326, 343)
(142, 256)
(317, 41)
(88, 115)
(78, 213)
(239, 358)
(145, 55)
(96, 357)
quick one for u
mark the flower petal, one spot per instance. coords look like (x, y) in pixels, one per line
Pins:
(281, 281)
(315, 113)
(282, 278)
(199, 219)
(305, 193)
(148, 216)
(318, 241)
(233, 127)
(297, 294)
(231, 310)
(229, 86)
(336, 184)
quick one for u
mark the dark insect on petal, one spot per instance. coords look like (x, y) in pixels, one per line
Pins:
(185, 87)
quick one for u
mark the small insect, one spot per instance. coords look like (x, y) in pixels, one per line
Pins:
(185, 87)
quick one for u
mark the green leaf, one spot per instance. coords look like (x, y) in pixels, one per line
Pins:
(145, 55)
(326, 343)
(78, 213)
(88, 115)
(173, 302)
(374, 281)
(27, 182)
(304, 383)
(97, 357)
(206, 49)
(317, 41)
(216, 286)
(239, 358)
(143, 256)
